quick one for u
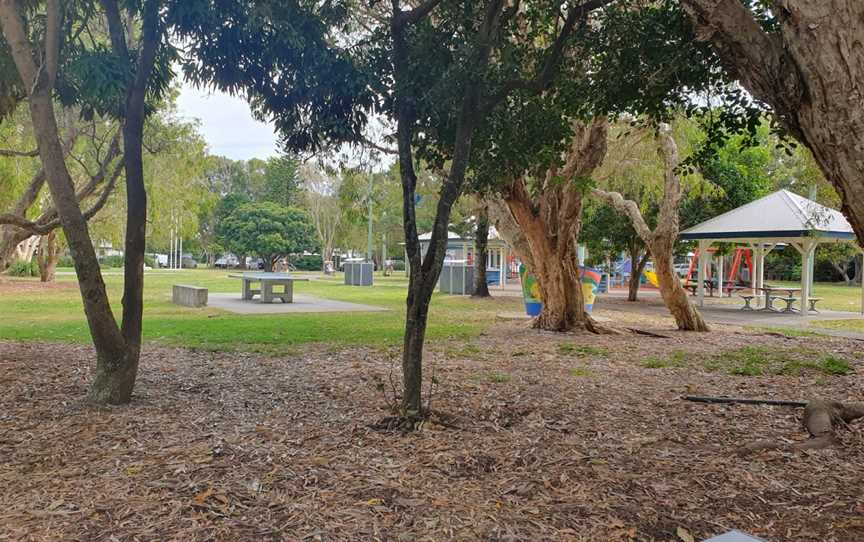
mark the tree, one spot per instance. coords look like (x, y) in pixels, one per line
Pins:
(661, 240)
(280, 181)
(547, 207)
(799, 58)
(481, 242)
(321, 198)
(117, 347)
(267, 230)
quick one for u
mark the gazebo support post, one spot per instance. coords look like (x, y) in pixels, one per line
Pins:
(700, 275)
(720, 274)
(807, 247)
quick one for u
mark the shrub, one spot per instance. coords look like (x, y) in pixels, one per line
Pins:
(150, 262)
(308, 263)
(65, 261)
(111, 261)
(20, 268)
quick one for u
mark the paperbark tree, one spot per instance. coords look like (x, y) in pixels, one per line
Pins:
(803, 59)
(548, 212)
(661, 241)
(481, 253)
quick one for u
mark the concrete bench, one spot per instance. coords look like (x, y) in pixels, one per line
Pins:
(189, 296)
(813, 301)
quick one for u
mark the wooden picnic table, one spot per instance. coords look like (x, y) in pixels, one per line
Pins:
(267, 281)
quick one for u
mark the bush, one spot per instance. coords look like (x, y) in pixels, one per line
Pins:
(111, 261)
(20, 268)
(307, 263)
(150, 262)
(65, 261)
(398, 265)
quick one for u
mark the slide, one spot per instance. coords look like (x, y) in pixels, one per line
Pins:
(652, 278)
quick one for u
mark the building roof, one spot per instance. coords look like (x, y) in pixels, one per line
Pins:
(780, 215)
(451, 236)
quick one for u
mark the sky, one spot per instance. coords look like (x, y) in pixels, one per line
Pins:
(227, 124)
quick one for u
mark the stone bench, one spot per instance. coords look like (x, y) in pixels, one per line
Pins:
(189, 296)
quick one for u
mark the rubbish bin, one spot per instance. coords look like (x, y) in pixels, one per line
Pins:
(457, 278)
(358, 273)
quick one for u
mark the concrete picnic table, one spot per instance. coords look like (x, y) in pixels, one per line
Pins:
(267, 281)
(770, 297)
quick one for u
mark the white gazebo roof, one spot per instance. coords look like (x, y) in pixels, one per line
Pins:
(779, 216)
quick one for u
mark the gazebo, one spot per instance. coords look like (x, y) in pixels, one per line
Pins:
(778, 219)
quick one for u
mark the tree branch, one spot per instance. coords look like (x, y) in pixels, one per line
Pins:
(406, 18)
(543, 78)
(12, 152)
(629, 209)
(40, 227)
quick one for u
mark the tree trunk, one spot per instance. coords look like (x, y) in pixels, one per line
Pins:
(661, 241)
(49, 254)
(675, 297)
(638, 261)
(810, 70)
(481, 243)
(550, 221)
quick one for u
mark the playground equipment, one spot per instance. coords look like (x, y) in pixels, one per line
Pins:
(651, 277)
(729, 281)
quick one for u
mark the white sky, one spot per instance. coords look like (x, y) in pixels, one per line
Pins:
(227, 124)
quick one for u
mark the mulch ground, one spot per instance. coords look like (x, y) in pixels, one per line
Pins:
(536, 441)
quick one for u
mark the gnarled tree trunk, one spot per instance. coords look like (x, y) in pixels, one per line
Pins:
(661, 241)
(810, 70)
(481, 244)
(549, 217)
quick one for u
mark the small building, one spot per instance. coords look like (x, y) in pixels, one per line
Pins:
(461, 251)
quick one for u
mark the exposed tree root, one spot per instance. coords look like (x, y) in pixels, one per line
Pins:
(821, 417)
(407, 424)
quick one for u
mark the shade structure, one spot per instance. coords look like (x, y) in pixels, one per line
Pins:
(780, 218)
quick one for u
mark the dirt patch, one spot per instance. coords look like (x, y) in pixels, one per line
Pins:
(24, 285)
(545, 441)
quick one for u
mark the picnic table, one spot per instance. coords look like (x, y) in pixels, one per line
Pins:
(267, 281)
(771, 295)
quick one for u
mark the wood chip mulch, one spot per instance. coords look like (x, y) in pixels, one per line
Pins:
(535, 439)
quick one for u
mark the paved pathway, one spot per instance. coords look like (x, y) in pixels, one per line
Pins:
(302, 304)
(723, 312)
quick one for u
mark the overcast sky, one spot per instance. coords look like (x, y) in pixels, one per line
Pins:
(227, 124)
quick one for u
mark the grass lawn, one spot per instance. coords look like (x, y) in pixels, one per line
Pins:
(56, 313)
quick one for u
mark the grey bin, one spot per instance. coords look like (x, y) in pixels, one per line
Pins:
(358, 273)
(456, 278)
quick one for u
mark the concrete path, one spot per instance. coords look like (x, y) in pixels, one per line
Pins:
(729, 312)
(302, 304)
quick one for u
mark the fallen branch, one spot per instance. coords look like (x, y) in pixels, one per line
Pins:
(648, 333)
(744, 401)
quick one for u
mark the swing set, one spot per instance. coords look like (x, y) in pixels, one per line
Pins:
(729, 284)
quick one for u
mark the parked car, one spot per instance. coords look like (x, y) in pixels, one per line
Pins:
(227, 262)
